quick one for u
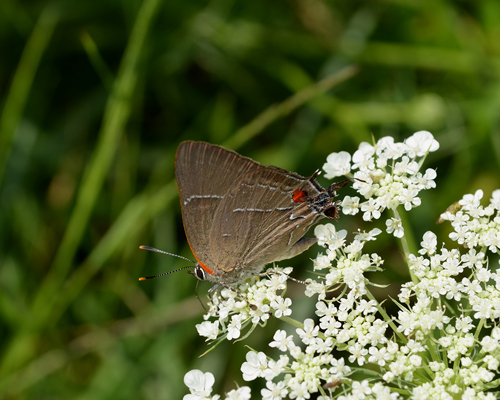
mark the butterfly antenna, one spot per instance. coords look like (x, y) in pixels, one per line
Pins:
(143, 278)
(164, 252)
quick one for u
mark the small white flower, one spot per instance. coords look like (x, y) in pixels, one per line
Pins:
(383, 392)
(492, 362)
(328, 236)
(299, 391)
(281, 307)
(361, 389)
(489, 344)
(254, 366)
(208, 329)
(242, 393)
(319, 345)
(261, 314)
(464, 324)
(495, 199)
(275, 368)
(483, 309)
(422, 142)
(406, 167)
(483, 274)
(350, 205)
(315, 287)
(367, 307)
(383, 144)
(337, 164)
(428, 178)
(358, 354)
(274, 391)
(281, 340)
(379, 356)
(368, 236)
(309, 332)
(339, 368)
(429, 243)
(199, 383)
(234, 327)
(415, 360)
(471, 201)
(362, 158)
(322, 262)
(371, 209)
(395, 225)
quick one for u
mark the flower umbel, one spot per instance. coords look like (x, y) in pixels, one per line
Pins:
(444, 341)
(387, 176)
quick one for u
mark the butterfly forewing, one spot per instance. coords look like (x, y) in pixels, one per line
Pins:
(204, 173)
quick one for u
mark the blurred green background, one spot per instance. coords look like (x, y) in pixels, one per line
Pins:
(97, 95)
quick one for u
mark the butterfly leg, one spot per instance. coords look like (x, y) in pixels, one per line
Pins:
(288, 277)
(220, 285)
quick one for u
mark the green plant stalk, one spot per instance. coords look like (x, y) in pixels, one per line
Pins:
(406, 241)
(271, 114)
(292, 322)
(22, 82)
(97, 61)
(387, 318)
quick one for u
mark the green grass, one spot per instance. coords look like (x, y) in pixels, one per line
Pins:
(95, 98)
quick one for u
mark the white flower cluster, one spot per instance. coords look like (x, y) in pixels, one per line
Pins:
(458, 294)
(444, 342)
(387, 176)
(475, 225)
(350, 262)
(252, 302)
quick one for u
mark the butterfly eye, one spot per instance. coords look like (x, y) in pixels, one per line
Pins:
(199, 273)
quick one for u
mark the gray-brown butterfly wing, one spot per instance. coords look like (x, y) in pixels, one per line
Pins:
(204, 174)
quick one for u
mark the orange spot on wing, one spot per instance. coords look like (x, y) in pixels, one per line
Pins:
(299, 196)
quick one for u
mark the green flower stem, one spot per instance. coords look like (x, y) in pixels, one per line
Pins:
(478, 330)
(407, 242)
(387, 318)
(292, 322)
(434, 352)
(492, 385)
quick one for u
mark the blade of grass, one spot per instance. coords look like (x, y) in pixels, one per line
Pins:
(97, 61)
(271, 114)
(22, 82)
